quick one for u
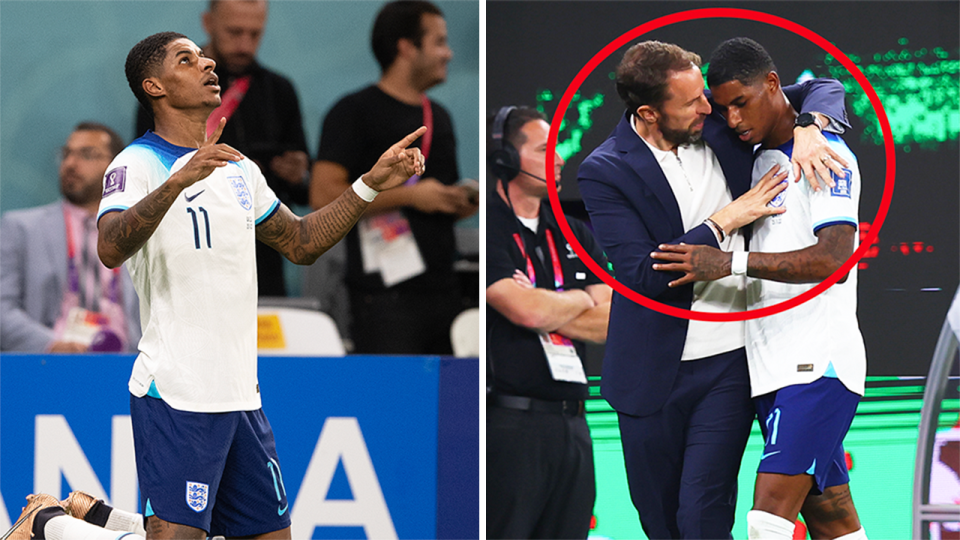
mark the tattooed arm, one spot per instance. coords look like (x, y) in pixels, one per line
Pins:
(123, 233)
(303, 240)
(808, 265)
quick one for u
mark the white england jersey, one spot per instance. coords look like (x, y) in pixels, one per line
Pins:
(196, 277)
(820, 337)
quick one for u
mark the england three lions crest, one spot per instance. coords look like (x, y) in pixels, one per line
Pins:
(197, 494)
(241, 191)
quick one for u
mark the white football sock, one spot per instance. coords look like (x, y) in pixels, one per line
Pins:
(121, 520)
(855, 535)
(765, 526)
(66, 527)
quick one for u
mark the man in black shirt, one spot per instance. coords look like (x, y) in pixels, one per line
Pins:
(263, 115)
(404, 292)
(538, 290)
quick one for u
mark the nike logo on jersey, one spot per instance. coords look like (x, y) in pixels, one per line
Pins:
(768, 454)
(281, 511)
(190, 199)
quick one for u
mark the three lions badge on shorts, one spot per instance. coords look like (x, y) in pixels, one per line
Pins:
(197, 494)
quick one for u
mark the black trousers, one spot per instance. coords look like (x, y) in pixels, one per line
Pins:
(540, 479)
(403, 322)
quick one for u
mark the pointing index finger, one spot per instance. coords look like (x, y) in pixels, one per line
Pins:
(408, 140)
(215, 136)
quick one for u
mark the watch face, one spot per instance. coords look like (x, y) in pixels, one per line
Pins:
(805, 119)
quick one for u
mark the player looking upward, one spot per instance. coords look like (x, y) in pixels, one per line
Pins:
(183, 212)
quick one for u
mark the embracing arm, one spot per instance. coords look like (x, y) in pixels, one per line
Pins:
(808, 265)
(825, 99)
(811, 264)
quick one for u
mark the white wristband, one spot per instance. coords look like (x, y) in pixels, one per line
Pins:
(738, 263)
(365, 192)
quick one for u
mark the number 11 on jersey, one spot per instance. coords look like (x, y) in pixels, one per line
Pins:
(196, 226)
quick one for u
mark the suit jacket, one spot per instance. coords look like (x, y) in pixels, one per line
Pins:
(632, 209)
(33, 277)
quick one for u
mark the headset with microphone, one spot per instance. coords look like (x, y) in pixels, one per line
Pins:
(504, 160)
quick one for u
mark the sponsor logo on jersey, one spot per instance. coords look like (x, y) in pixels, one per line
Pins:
(777, 201)
(197, 496)
(190, 199)
(571, 254)
(768, 454)
(241, 191)
(116, 181)
(842, 189)
(804, 367)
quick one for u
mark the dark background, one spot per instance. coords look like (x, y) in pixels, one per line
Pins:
(906, 287)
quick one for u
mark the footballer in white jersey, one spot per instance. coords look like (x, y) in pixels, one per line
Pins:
(196, 278)
(184, 213)
(820, 337)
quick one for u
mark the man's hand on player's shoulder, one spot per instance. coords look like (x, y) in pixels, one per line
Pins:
(813, 155)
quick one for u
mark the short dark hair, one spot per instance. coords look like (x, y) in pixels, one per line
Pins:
(116, 143)
(512, 133)
(739, 59)
(399, 20)
(642, 74)
(144, 59)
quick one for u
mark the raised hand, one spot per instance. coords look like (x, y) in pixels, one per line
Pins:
(397, 164)
(209, 156)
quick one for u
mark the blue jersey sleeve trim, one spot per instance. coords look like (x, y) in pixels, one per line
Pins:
(835, 221)
(109, 209)
(273, 210)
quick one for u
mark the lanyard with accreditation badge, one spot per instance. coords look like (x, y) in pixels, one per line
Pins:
(562, 357)
(85, 322)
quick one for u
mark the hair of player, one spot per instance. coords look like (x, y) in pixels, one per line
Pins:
(642, 74)
(143, 61)
(399, 20)
(738, 59)
(116, 142)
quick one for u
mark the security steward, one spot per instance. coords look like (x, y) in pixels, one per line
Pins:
(543, 304)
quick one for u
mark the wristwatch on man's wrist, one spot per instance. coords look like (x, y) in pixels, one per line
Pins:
(806, 119)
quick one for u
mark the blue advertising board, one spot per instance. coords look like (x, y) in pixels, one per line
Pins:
(358, 439)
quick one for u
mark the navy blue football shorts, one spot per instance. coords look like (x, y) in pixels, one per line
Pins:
(214, 471)
(803, 427)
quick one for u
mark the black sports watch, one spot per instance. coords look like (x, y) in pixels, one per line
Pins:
(806, 119)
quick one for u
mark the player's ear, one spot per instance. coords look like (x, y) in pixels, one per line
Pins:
(772, 82)
(152, 87)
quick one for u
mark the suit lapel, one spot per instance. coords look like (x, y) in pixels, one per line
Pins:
(639, 157)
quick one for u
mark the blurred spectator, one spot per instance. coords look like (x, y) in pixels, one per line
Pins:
(263, 115)
(55, 294)
(404, 292)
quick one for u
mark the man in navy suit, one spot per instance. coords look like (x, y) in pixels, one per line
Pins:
(672, 172)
